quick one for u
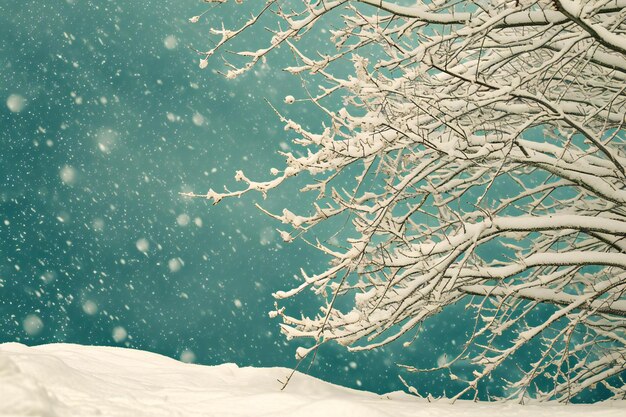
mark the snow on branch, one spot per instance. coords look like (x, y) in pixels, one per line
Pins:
(462, 128)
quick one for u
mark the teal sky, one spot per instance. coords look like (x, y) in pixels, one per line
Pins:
(105, 118)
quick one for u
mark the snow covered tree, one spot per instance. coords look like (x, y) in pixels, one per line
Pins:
(478, 150)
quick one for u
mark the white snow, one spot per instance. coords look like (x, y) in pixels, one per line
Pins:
(68, 175)
(198, 119)
(90, 307)
(32, 324)
(72, 380)
(170, 42)
(143, 245)
(183, 219)
(119, 334)
(16, 103)
(175, 264)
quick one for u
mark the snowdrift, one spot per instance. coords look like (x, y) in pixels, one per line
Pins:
(72, 380)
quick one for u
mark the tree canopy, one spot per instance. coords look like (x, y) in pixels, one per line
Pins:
(478, 152)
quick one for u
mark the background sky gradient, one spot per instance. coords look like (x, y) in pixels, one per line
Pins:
(105, 118)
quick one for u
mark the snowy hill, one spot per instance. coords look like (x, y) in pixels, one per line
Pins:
(72, 380)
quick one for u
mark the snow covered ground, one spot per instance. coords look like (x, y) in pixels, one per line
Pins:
(73, 380)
